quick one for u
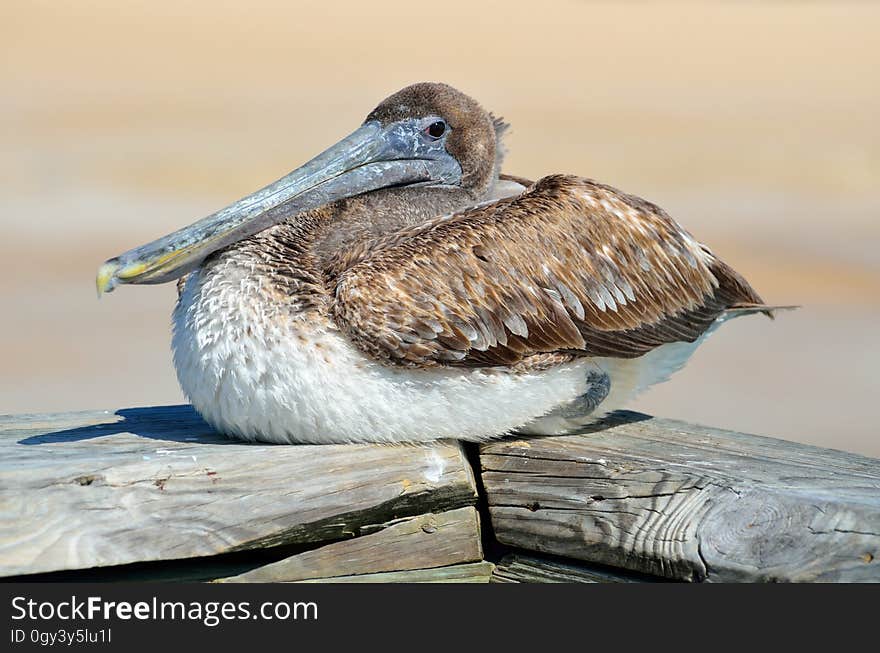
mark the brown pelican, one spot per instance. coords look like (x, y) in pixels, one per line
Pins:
(398, 288)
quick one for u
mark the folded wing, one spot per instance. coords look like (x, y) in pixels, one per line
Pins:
(568, 266)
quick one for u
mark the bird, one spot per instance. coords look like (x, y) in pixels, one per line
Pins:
(400, 288)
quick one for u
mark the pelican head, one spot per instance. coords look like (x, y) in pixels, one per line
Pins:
(427, 135)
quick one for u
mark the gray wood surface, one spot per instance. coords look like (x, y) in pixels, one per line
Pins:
(688, 502)
(154, 492)
(94, 489)
(519, 568)
(474, 572)
(425, 541)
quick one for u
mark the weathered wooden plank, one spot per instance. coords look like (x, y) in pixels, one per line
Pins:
(98, 488)
(475, 572)
(425, 541)
(688, 502)
(518, 568)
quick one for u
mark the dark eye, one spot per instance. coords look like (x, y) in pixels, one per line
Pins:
(436, 129)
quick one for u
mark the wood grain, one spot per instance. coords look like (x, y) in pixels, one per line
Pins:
(518, 568)
(425, 541)
(475, 572)
(688, 502)
(153, 491)
(93, 489)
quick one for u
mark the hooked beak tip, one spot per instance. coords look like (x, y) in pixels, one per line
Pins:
(114, 272)
(106, 278)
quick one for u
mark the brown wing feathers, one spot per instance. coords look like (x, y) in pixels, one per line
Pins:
(568, 266)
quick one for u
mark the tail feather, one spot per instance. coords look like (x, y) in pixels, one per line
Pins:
(748, 309)
(735, 291)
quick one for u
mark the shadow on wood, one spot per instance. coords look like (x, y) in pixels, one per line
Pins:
(172, 423)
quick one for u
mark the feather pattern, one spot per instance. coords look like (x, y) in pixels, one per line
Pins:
(570, 265)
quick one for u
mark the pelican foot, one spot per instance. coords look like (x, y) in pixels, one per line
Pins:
(598, 387)
(577, 413)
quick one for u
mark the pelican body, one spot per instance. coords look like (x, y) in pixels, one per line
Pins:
(399, 288)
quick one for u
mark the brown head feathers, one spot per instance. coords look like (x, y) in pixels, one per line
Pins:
(474, 139)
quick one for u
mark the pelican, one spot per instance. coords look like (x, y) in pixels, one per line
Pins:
(399, 288)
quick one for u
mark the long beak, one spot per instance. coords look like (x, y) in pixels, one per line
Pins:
(364, 161)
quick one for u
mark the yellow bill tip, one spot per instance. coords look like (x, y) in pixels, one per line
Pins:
(106, 279)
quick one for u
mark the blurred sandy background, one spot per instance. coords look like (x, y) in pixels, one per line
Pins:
(754, 124)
